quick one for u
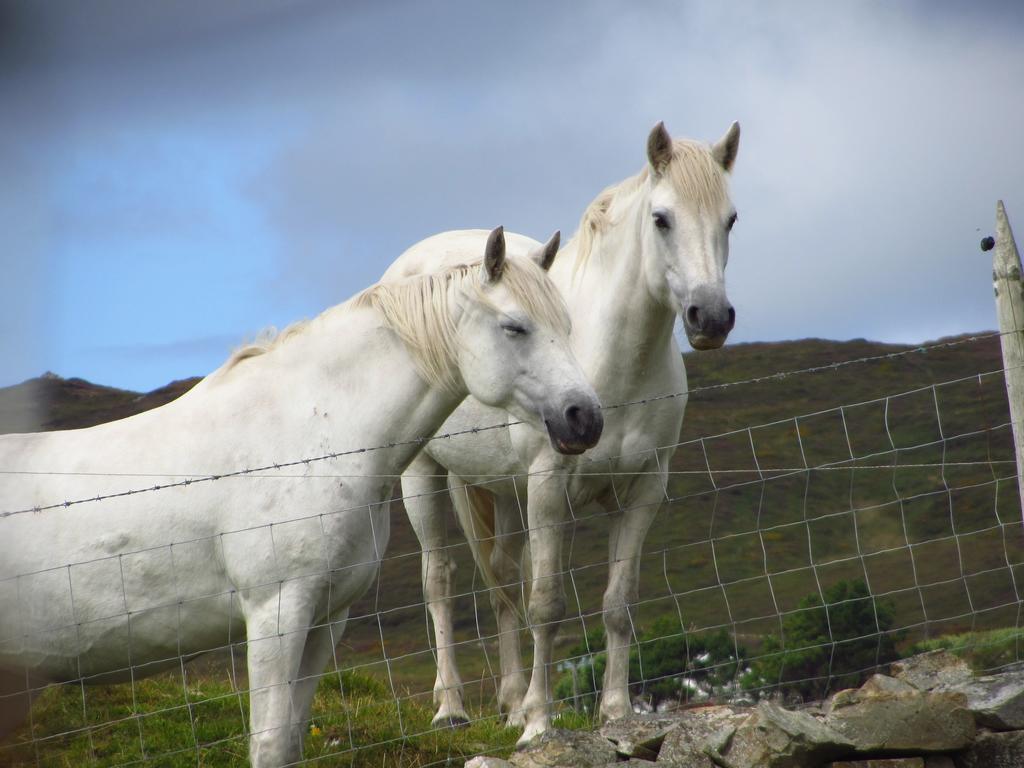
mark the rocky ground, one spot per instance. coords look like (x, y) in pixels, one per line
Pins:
(930, 711)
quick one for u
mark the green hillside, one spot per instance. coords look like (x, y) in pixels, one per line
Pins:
(934, 535)
(771, 534)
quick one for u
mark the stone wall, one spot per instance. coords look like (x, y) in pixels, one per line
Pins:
(931, 711)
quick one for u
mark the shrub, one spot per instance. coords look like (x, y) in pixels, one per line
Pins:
(825, 647)
(667, 664)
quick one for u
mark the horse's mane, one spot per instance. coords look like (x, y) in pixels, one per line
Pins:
(268, 339)
(694, 173)
(417, 309)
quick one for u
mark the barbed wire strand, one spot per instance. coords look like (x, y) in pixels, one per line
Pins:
(762, 476)
(423, 440)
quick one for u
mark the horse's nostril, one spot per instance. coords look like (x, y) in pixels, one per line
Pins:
(572, 416)
(732, 318)
(692, 316)
(584, 422)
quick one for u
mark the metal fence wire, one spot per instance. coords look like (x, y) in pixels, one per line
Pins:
(789, 557)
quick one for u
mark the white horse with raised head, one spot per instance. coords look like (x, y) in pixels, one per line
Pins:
(648, 249)
(119, 588)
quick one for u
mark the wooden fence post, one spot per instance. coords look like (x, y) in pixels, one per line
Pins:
(1009, 290)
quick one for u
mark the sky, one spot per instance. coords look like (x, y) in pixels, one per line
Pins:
(177, 177)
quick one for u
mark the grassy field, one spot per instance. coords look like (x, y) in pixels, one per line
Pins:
(169, 720)
(915, 494)
(939, 535)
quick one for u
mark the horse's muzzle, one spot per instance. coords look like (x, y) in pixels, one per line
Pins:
(708, 319)
(577, 427)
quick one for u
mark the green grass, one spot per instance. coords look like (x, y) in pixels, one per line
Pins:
(984, 651)
(356, 722)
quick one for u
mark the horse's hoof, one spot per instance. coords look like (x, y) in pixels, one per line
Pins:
(456, 721)
(514, 721)
(532, 731)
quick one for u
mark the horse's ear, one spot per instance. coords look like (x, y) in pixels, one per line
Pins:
(725, 149)
(545, 255)
(659, 148)
(494, 256)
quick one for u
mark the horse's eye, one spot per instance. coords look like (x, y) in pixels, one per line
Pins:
(661, 220)
(731, 222)
(513, 329)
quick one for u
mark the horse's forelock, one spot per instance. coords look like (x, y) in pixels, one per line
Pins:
(530, 287)
(696, 175)
(693, 172)
(418, 309)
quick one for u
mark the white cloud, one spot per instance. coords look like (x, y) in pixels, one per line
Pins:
(876, 138)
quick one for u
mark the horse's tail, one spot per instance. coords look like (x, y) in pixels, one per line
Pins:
(475, 510)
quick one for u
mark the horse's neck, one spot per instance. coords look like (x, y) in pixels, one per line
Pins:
(401, 405)
(621, 333)
(365, 375)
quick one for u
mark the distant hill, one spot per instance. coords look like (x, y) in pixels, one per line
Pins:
(73, 403)
(50, 402)
(813, 528)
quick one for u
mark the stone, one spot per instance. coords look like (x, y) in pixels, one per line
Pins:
(993, 750)
(639, 736)
(876, 684)
(931, 670)
(773, 737)
(997, 701)
(685, 744)
(896, 762)
(560, 748)
(885, 716)
(486, 761)
(885, 684)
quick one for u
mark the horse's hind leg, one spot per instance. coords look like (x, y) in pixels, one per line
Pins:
(494, 527)
(426, 499)
(509, 538)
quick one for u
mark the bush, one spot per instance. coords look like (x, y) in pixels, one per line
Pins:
(667, 664)
(985, 651)
(826, 647)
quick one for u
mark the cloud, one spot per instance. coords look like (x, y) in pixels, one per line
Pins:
(220, 344)
(876, 139)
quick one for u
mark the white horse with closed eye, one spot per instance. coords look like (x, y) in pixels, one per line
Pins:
(120, 588)
(648, 249)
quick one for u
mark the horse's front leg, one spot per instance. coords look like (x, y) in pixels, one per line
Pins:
(426, 498)
(628, 530)
(547, 509)
(277, 626)
(320, 644)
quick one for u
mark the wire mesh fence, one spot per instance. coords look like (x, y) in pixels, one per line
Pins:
(790, 556)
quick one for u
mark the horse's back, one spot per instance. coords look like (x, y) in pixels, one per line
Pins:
(77, 552)
(137, 550)
(451, 249)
